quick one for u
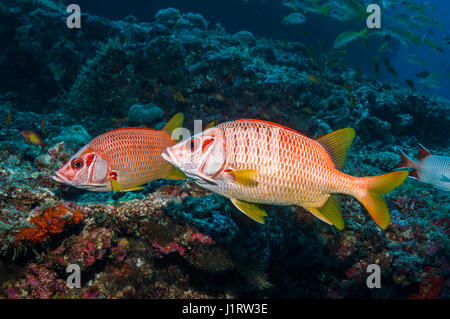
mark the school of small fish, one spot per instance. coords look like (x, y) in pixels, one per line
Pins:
(406, 22)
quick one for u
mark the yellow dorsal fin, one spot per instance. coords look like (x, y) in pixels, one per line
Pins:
(254, 211)
(330, 212)
(212, 124)
(246, 177)
(115, 186)
(175, 122)
(337, 143)
(176, 174)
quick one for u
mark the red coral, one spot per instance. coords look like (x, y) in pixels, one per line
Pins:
(202, 238)
(51, 221)
(169, 248)
(431, 285)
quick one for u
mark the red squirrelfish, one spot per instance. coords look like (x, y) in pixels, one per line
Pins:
(122, 159)
(256, 162)
(430, 169)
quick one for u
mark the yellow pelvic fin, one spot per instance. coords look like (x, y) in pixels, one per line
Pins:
(330, 212)
(116, 187)
(377, 186)
(337, 143)
(175, 122)
(246, 177)
(254, 211)
(176, 174)
(212, 124)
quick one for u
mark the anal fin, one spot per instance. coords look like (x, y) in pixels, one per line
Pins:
(116, 187)
(134, 188)
(176, 174)
(330, 212)
(254, 211)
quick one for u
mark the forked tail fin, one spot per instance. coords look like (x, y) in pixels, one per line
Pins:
(375, 187)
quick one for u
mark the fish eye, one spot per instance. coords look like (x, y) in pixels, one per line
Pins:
(77, 163)
(192, 145)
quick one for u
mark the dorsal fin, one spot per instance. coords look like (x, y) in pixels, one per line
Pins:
(175, 122)
(423, 152)
(337, 143)
(212, 124)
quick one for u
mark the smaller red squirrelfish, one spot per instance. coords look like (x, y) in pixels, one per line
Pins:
(122, 159)
(430, 169)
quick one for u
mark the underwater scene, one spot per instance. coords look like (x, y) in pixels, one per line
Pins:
(267, 149)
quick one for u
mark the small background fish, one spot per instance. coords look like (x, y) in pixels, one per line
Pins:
(430, 169)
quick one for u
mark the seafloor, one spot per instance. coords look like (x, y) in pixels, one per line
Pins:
(173, 239)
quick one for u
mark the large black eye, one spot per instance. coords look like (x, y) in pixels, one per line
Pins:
(77, 163)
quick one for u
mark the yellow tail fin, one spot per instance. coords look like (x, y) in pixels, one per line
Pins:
(377, 186)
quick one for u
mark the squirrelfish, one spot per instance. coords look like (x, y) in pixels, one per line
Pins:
(257, 162)
(430, 169)
(122, 159)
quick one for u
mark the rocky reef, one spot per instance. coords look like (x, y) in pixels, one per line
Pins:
(173, 239)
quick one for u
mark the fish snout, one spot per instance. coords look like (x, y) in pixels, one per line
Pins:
(58, 177)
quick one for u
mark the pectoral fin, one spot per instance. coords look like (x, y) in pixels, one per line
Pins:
(246, 177)
(330, 212)
(254, 211)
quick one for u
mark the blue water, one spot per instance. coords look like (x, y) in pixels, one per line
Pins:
(264, 18)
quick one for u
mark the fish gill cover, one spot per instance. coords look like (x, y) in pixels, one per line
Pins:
(313, 66)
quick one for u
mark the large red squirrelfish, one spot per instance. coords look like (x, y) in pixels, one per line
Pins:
(122, 159)
(256, 162)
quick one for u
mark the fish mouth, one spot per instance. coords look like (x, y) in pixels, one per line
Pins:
(58, 177)
(198, 177)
